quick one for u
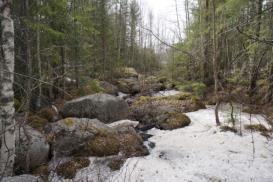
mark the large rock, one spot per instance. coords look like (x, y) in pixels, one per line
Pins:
(174, 121)
(129, 72)
(151, 111)
(129, 85)
(72, 134)
(104, 107)
(109, 88)
(33, 144)
(22, 178)
(90, 137)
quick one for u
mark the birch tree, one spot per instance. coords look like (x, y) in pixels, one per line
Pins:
(7, 129)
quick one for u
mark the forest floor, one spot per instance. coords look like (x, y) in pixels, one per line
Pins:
(199, 152)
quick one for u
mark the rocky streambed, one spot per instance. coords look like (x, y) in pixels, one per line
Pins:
(144, 135)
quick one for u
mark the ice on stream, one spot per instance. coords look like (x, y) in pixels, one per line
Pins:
(199, 152)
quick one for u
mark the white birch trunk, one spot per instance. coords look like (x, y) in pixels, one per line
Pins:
(7, 151)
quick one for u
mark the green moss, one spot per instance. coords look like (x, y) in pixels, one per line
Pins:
(69, 169)
(142, 100)
(104, 146)
(68, 122)
(237, 80)
(197, 88)
(88, 87)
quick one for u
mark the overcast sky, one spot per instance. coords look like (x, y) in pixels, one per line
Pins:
(165, 15)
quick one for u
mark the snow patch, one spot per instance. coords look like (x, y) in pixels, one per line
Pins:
(199, 152)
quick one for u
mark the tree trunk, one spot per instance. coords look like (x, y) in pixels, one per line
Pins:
(28, 61)
(39, 63)
(254, 73)
(7, 129)
(215, 66)
(270, 76)
(205, 43)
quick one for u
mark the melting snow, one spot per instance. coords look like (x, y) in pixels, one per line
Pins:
(166, 93)
(199, 152)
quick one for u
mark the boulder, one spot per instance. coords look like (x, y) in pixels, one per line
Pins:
(125, 142)
(131, 143)
(22, 178)
(128, 85)
(174, 121)
(109, 88)
(104, 107)
(71, 135)
(90, 137)
(129, 72)
(151, 111)
(33, 144)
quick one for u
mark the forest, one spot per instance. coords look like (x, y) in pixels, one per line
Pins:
(107, 91)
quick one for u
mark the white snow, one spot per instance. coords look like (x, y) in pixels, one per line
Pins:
(199, 152)
(123, 123)
(166, 93)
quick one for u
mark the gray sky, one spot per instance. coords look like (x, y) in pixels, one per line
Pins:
(165, 16)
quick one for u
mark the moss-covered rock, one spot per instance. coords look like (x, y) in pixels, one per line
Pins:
(104, 146)
(129, 72)
(69, 169)
(71, 135)
(175, 121)
(128, 85)
(132, 145)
